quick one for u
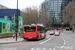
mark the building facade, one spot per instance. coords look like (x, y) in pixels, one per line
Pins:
(3, 7)
(54, 8)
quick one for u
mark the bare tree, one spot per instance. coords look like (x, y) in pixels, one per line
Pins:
(30, 15)
(33, 15)
(43, 17)
(69, 14)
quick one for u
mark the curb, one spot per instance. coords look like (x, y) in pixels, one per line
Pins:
(11, 42)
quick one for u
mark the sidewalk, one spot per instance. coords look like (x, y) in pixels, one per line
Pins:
(10, 40)
(73, 33)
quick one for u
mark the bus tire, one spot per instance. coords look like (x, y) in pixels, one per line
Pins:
(37, 39)
(40, 37)
(44, 37)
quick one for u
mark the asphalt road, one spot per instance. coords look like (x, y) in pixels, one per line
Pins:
(62, 42)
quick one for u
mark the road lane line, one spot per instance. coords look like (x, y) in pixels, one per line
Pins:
(37, 48)
(64, 42)
(50, 49)
(43, 48)
(32, 49)
(46, 40)
(54, 49)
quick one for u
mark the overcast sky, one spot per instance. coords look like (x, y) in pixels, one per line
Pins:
(22, 3)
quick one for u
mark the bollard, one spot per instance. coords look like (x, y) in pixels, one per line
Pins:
(62, 34)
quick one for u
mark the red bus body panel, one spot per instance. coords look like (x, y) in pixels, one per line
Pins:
(33, 35)
(30, 34)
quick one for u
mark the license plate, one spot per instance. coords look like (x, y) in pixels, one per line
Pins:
(30, 37)
(42, 34)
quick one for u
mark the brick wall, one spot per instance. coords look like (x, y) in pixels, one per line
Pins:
(3, 35)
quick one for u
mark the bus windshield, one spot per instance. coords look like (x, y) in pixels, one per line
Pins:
(30, 29)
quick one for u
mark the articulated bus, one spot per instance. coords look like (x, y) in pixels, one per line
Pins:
(34, 32)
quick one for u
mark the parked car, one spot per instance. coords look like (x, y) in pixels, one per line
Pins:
(52, 32)
(57, 33)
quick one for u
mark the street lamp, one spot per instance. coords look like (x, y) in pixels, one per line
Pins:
(62, 26)
(17, 21)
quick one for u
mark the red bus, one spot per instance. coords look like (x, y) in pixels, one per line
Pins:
(34, 32)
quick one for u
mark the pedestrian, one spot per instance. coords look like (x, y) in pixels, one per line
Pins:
(17, 35)
(14, 35)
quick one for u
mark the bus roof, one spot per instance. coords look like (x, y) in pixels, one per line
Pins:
(29, 25)
(35, 25)
(41, 26)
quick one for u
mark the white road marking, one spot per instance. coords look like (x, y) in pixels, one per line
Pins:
(43, 49)
(46, 40)
(64, 42)
(49, 49)
(37, 48)
(68, 47)
(54, 49)
(32, 49)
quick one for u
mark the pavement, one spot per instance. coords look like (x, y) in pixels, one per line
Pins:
(10, 40)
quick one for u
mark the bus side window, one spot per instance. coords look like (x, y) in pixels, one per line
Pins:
(38, 29)
(42, 30)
